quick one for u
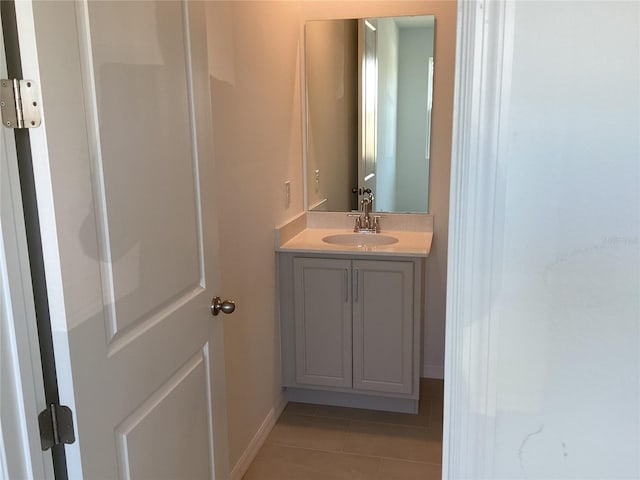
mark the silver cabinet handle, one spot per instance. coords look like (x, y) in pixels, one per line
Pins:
(346, 285)
(355, 285)
(217, 306)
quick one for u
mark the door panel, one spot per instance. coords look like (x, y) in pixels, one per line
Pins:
(156, 423)
(322, 307)
(383, 326)
(124, 175)
(140, 116)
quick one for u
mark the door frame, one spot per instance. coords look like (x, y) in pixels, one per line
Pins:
(482, 89)
(21, 383)
(22, 391)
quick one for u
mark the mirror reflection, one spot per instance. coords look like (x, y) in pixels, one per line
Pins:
(369, 88)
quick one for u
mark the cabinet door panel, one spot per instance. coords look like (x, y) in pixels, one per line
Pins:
(383, 326)
(322, 306)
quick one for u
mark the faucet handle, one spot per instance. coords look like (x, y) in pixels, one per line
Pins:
(358, 224)
(376, 222)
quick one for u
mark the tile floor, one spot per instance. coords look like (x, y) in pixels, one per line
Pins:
(315, 442)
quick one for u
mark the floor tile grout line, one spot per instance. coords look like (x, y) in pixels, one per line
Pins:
(288, 445)
(350, 454)
(355, 454)
(429, 402)
(379, 466)
(397, 459)
(418, 427)
(346, 435)
(350, 419)
(380, 459)
(380, 423)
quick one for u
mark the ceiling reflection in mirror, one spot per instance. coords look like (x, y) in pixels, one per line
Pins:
(369, 89)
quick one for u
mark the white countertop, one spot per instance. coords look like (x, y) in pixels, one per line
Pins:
(409, 244)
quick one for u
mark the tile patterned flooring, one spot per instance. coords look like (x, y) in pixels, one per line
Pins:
(315, 442)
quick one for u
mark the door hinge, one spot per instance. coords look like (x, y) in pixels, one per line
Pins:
(19, 103)
(56, 426)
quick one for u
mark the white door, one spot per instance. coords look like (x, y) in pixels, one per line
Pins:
(124, 182)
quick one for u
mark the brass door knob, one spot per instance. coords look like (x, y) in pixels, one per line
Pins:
(217, 306)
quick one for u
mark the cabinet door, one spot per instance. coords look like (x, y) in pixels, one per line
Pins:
(322, 306)
(383, 320)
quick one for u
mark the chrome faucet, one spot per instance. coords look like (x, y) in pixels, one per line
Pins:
(366, 204)
(366, 223)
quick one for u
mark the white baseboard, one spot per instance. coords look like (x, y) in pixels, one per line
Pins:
(433, 371)
(242, 465)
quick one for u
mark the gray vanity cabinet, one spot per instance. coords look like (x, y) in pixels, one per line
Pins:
(350, 327)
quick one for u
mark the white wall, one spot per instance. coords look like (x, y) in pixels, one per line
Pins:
(255, 52)
(562, 398)
(331, 65)
(569, 304)
(439, 182)
(255, 89)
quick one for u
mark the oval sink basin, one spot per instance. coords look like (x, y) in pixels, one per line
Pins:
(360, 239)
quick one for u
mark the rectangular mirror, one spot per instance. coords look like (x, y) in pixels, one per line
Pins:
(369, 90)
